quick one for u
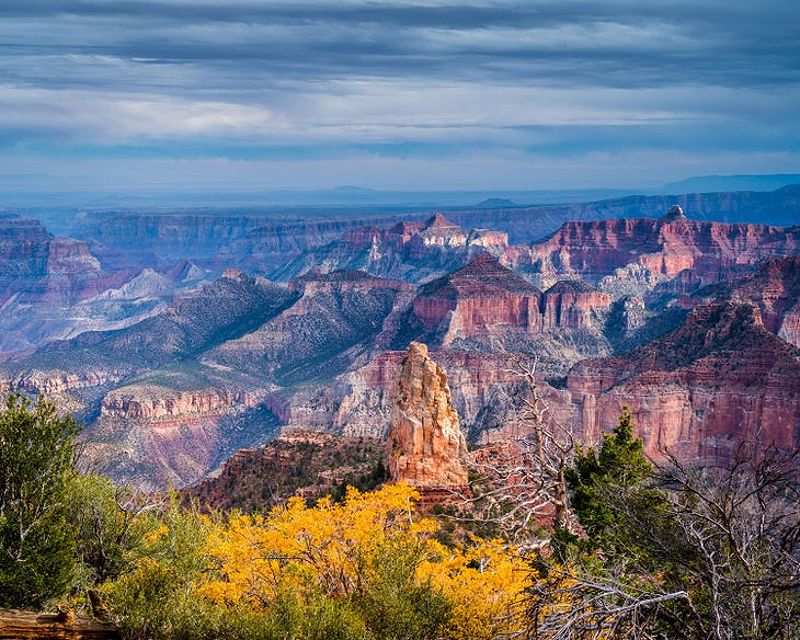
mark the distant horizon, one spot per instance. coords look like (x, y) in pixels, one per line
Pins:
(366, 197)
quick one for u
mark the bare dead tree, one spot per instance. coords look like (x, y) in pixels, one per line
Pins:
(719, 559)
(742, 525)
(575, 604)
(520, 484)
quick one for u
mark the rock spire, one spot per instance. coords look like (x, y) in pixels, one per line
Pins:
(425, 446)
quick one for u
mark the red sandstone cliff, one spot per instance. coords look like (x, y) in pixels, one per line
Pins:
(485, 298)
(664, 247)
(774, 289)
(719, 379)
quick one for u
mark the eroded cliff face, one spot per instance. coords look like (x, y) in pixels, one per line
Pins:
(718, 380)
(661, 247)
(35, 267)
(574, 305)
(153, 438)
(484, 299)
(774, 289)
(164, 407)
(411, 251)
(425, 445)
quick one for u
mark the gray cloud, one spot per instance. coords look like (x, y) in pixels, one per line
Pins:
(552, 78)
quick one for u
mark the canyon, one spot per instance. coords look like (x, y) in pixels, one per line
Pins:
(698, 392)
(692, 323)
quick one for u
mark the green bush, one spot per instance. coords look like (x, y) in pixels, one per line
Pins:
(37, 545)
(395, 605)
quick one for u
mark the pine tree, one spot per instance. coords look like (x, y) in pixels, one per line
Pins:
(617, 468)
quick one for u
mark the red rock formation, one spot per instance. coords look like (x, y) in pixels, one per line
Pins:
(665, 247)
(368, 394)
(776, 291)
(480, 297)
(574, 305)
(484, 298)
(425, 445)
(415, 251)
(718, 380)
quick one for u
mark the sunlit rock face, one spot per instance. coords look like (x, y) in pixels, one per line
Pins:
(410, 251)
(425, 445)
(660, 249)
(719, 380)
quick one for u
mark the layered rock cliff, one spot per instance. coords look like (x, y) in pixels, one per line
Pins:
(485, 306)
(425, 445)
(412, 251)
(529, 224)
(718, 380)
(774, 289)
(662, 248)
(36, 267)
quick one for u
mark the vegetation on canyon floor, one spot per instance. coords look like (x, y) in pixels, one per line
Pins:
(649, 552)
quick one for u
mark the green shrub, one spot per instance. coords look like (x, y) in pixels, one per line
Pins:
(37, 545)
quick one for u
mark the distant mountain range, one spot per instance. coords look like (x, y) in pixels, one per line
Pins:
(707, 184)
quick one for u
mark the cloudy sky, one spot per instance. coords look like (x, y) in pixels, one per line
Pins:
(433, 94)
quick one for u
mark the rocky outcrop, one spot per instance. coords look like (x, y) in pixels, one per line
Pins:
(774, 289)
(476, 300)
(718, 380)
(425, 445)
(300, 463)
(485, 306)
(573, 304)
(36, 267)
(662, 247)
(165, 406)
(411, 251)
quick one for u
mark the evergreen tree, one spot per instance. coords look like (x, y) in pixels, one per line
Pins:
(618, 468)
(37, 545)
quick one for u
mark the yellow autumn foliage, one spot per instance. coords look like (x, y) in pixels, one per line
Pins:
(326, 548)
(485, 585)
(335, 549)
(371, 563)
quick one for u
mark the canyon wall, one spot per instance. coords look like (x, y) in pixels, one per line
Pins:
(699, 391)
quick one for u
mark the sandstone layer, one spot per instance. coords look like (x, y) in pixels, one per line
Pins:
(698, 392)
(662, 247)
